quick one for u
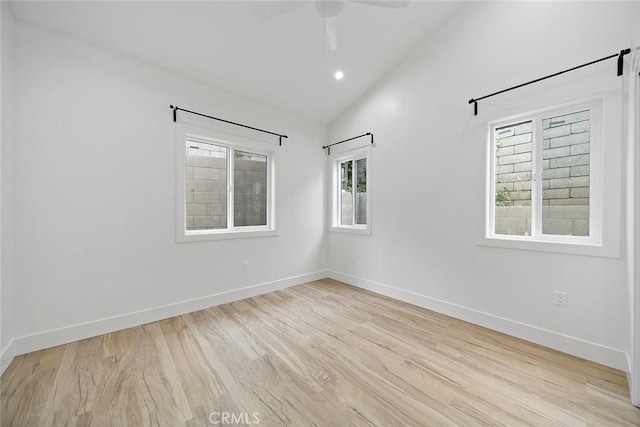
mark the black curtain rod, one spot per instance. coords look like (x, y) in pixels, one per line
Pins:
(176, 109)
(328, 147)
(620, 56)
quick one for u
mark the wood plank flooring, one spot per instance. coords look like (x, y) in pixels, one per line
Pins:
(323, 354)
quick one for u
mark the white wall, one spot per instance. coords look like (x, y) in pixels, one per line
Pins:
(6, 186)
(95, 195)
(95, 190)
(634, 221)
(430, 160)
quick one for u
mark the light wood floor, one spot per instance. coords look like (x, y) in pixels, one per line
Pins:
(323, 354)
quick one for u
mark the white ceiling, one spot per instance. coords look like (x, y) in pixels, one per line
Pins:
(271, 52)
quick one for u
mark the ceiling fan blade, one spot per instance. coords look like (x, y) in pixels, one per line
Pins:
(331, 33)
(394, 4)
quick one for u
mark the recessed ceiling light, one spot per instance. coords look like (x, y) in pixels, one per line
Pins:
(339, 75)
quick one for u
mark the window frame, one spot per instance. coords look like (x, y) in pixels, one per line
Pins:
(199, 135)
(336, 190)
(602, 237)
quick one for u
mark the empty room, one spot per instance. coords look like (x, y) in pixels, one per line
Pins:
(320, 213)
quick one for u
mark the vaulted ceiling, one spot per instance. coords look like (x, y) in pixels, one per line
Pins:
(271, 52)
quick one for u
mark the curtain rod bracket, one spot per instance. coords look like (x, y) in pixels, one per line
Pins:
(175, 110)
(623, 52)
(475, 106)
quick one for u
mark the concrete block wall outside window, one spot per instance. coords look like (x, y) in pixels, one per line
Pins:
(565, 176)
(541, 173)
(206, 196)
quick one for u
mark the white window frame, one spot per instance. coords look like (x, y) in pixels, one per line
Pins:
(185, 133)
(600, 242)
(336, 191)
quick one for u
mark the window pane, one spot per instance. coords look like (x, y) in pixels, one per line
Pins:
(250, 189)
(346, 193)
(513, 157)
(565, 174)
(206, 195)
(361, 191)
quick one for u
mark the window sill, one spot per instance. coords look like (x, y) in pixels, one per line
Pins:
(352, 230)
(539, 245)
(204, 235)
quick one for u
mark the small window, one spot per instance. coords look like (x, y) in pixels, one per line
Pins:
(544, 170)
(224, 190)
(350, 195)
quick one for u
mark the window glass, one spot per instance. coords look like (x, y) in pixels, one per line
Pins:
(350, 202)
(565, 174)
(513, 160)
(346, 192)
(224, 191)
(250, 189)
(206, 186)
(361, 192)
(541, 176)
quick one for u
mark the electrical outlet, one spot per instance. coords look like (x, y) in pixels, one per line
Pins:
(245, 265)
(560, 298)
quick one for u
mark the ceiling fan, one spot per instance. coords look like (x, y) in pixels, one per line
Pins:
(329, 10)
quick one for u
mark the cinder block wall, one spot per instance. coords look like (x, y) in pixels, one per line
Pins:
(206, 191)
(250, 193)
(565, 176)
(206, 195)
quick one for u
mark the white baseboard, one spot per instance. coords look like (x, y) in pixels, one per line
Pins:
(39, 341)
(575, 346)
(7, 355)
(587, 350)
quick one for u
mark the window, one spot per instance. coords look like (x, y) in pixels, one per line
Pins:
(224, 190)
(544, 176)
(350, 196)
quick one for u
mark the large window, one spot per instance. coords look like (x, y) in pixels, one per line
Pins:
(224, 190)
(545, 174)
(351, 201)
